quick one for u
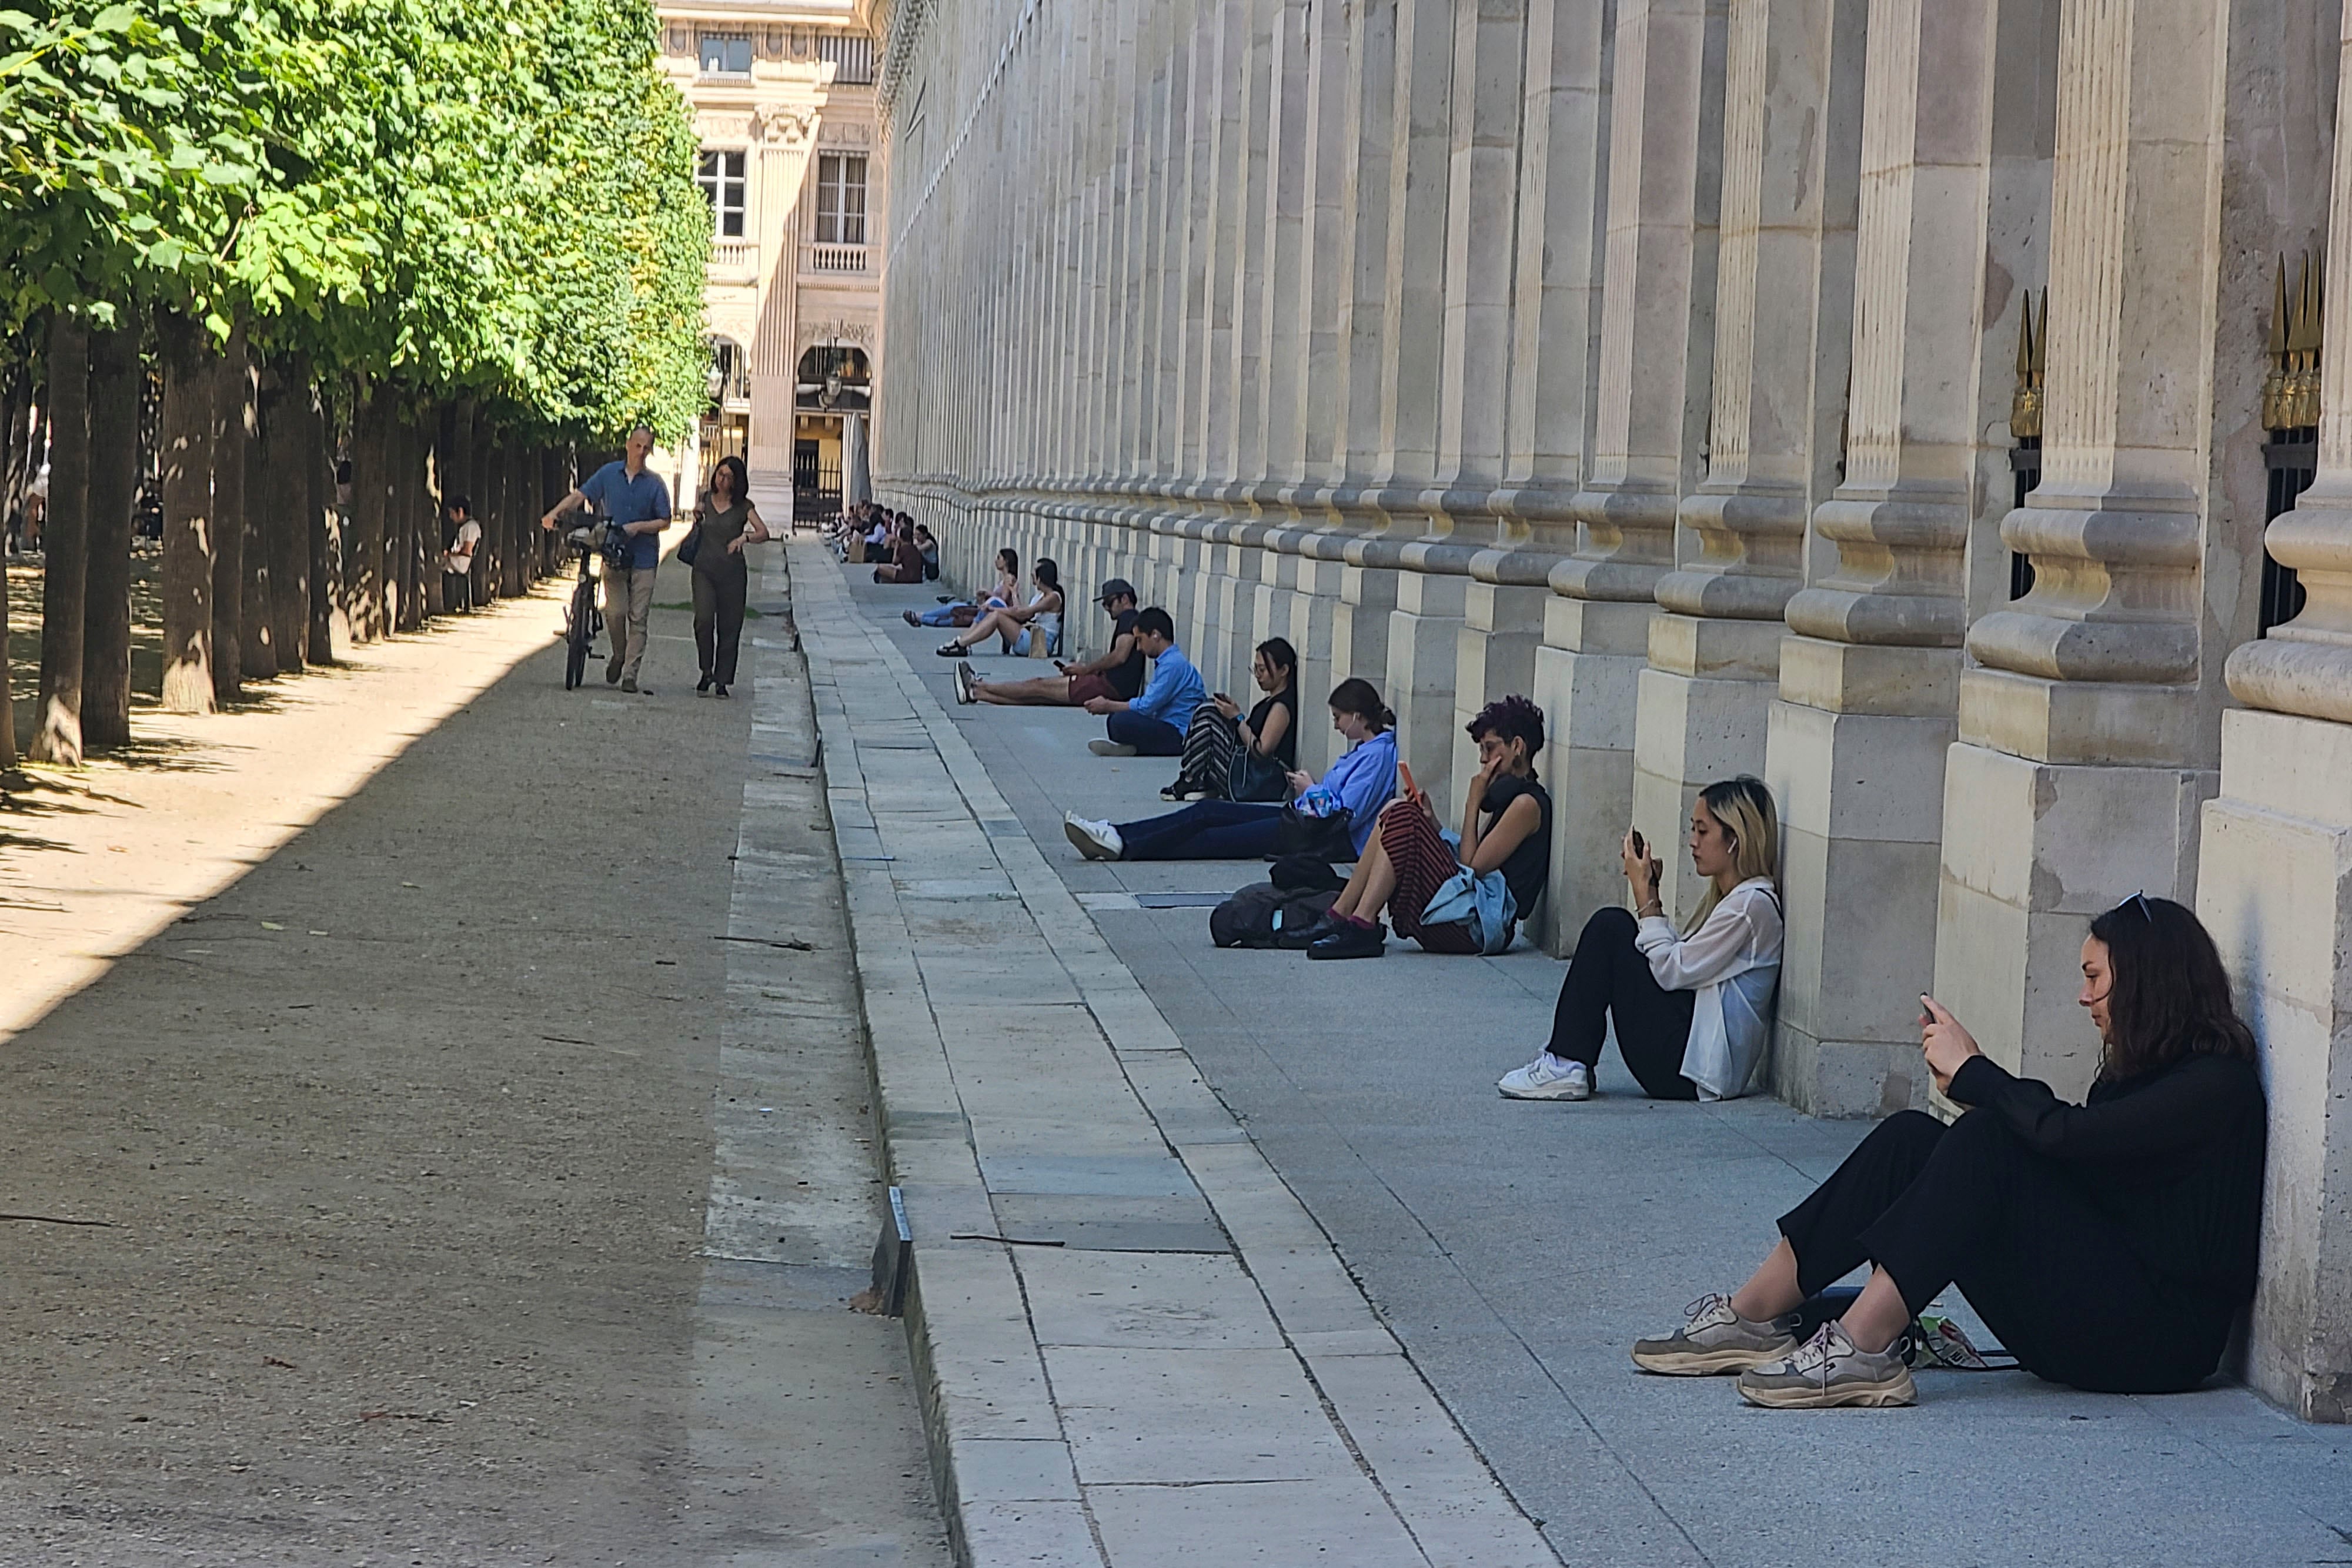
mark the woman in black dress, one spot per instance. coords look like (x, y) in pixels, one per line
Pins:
(2110, 1245)
(724, 525)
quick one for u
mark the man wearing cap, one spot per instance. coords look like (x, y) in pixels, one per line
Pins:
(1117, 673)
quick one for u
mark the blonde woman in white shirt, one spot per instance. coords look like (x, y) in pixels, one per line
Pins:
(1693, 1009)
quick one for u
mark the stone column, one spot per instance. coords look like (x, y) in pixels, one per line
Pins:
(1547, 408)
(1958, 107)
(2274, 882)
(1784, 333)
(1359, 620)
(1421, 246)
(1658, 342)
(2088, 725)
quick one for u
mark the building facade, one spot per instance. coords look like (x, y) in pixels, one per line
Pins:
(783, 106)
(1910, 402)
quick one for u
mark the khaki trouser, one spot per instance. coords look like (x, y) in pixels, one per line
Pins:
(628, 604)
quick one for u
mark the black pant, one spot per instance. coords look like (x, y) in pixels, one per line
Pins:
(1150, 736)
(1610, 977)
(2048, 1270)
(719, 620)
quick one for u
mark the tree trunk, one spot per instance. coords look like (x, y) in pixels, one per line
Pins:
(17, 401)
(363, 588)
(477, 484)
(189, 408)
(509, 535)
(286, 457)
(257, 627)
(438, 494)
(494, 525)
(117, 380)
(318, 459)
(554, 484)
(233, 385)
(65, 539)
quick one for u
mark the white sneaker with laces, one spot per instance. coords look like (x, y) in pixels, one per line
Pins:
(965, 679)
(1096, 840)
(1547, 1078)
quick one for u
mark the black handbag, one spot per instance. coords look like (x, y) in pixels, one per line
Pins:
(1323, 837)
(690, 546)
(1256, 778)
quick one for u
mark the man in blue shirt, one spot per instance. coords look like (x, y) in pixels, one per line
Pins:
(1152, 722)
(637, 503)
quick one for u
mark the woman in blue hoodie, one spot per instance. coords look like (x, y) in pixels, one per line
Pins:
(1363, 781)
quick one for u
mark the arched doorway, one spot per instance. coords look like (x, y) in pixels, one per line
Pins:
(834, 380)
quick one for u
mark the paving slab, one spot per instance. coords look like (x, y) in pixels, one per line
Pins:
(1512, 1250)
(1148, 1379)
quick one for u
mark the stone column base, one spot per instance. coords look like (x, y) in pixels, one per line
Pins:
(1359, 626)
(1495, 656)
(1585, 676)
(1701, 714)
(2275, 886)
(1861, 798)
(1423, 632)
(2031, 851)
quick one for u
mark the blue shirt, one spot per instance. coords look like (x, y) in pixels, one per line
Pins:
(1365, 780)
(626, 501)
(1176, 689)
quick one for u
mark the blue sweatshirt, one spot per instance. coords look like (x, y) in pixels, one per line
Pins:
(1176, 689)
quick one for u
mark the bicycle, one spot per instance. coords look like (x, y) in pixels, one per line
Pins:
(582, 618)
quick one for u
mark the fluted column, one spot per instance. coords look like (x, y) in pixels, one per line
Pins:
(1658, 342)
(1432, 38)
(2089, 721)
(1960, 102)
(1360, 621)
(1541, 411)
(1784, 282)
(2273, 883)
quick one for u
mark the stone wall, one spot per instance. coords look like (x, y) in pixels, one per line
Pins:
(1661, 358)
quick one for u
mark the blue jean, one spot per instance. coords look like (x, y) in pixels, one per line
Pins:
(1150, 736)
(1204, 830)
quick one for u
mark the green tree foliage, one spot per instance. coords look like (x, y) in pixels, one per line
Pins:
(491, 197)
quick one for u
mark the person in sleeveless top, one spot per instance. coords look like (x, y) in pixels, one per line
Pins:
(724, 525)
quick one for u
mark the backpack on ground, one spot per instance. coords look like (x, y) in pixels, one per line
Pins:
(1265, 916)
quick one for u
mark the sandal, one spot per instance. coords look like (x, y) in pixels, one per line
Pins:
(951, 650)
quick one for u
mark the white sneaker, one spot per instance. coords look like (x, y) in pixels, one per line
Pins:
(1542, 1079)
(965, 679)
(1108, 747)
(1096, 840)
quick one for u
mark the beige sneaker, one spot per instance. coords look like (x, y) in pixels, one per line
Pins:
(1828, 1371)
(1715, 1340)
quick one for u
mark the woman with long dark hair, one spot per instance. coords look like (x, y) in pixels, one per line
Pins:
(2109, 1245)
(1268, 737)
(723, 523)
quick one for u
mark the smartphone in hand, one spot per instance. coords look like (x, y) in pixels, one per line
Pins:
(1405, 773)
(1640, 846)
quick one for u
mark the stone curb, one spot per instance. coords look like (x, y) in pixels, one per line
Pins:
(1001, 1458)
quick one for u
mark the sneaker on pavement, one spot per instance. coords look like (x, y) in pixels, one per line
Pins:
(1547, 1078)
(613, 673)
(630, 686)
(1350, 939)
(1109, 749)
(964, 681)
(1096, 840)
(1715, 1340)
(1827, 1371)
(1174, 791)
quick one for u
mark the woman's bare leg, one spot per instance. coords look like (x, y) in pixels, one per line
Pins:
(1877, 1314)
(1772, 1288)
(1369, 885)
(994, 623)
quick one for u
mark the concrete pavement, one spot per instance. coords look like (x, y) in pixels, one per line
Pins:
(1512, 1250)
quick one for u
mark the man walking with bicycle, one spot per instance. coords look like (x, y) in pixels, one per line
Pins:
(636, 502)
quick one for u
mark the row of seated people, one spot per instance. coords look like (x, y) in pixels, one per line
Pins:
(2112, 1245)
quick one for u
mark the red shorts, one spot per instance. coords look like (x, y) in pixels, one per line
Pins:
(1085, 688)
